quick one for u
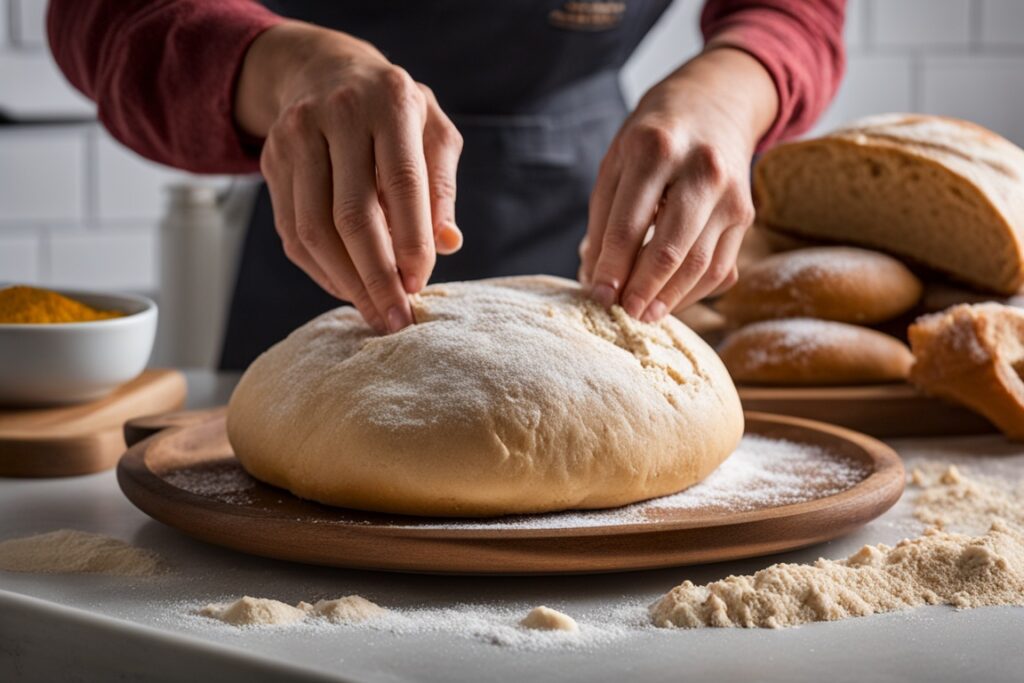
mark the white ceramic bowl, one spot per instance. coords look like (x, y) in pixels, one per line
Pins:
(60, 363)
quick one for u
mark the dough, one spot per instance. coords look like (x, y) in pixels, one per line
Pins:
(511, 395)
(844, 284)
(546, 619)
(807, 352)
(974, 355)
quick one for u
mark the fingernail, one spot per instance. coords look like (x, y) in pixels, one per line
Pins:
(634, 306)
(603, 294)
(411, 284)
(397, 319)
(655, 312)
(449, 239)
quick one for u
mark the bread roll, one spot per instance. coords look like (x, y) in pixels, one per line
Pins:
(513, 395)
(974, 355)
(942, 192)
(844, 284)
(808, 352)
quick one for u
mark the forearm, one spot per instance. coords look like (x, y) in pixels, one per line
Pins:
(162, 73)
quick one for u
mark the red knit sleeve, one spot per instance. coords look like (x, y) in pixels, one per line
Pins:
(163, 73)
(799, 42)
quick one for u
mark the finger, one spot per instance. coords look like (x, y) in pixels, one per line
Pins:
(277, 172)
(636, 200)
(402, 178)
(726, 284)
(597, 215)
(721, 268)
(359, 221)
(679, 223)
(442, 145)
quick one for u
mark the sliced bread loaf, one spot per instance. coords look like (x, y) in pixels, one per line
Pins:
(941, 192)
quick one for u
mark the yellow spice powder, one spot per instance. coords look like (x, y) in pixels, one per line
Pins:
(31, 305)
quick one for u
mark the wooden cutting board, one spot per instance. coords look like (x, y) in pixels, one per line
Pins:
(86, 437)
(187, 477)
(883, 410)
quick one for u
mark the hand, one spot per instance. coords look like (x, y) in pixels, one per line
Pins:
(360, 162)
(681, 162)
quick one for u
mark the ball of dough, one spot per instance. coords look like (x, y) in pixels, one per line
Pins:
(832, 283)
(546, 619)
(512, 395)
(807, 352)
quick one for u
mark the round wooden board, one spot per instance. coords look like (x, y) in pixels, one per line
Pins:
(176, 476)
(882, 410)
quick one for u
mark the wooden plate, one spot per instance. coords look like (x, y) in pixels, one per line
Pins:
(883, 410)
(188, 478)
(78, 439)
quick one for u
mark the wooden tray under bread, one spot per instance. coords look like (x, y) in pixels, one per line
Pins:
(183, 473)
(86, 437)
(882, 410)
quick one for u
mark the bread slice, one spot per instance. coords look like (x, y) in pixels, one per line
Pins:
(974, 355)
(941, 192)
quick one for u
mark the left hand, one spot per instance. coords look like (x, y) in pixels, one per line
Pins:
(682, 163)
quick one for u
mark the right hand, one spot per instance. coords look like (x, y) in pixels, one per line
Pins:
(360, 162)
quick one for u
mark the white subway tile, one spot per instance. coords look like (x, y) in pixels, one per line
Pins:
(1002, 22)
(674, 39)
(855, 26)
(129, 186)
(33, 88)
(872, 85)
(103, 259)
(41, 171)
(986, 90)
(921, 23)
(19, 259)
(30, 22)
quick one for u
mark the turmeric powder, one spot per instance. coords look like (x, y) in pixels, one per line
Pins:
(29, 305)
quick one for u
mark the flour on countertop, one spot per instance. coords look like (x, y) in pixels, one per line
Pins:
(249, 611)
(940, 567)
(68, 551)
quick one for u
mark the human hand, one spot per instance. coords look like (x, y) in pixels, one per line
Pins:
(360, 163)
(681, 162)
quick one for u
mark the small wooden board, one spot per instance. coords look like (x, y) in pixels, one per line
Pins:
(187, 477)
(86, 437)
(883, 410)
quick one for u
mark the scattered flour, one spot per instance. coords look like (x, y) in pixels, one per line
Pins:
(546, 619)
(69, 551)
(940, 567)
(249, 611)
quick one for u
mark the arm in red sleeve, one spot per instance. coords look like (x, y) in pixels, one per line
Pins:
(799, 43)
(163, 73)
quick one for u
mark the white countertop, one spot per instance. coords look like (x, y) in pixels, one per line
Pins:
(79, 627)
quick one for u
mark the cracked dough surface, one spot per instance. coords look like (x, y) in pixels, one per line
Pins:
(510, 395)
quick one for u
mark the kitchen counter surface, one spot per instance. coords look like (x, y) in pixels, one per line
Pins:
(79, 627)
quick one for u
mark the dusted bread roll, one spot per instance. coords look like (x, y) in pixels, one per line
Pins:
(832, 283)
(807, 352)
(974, 355)
(942, 192)
(512, 395)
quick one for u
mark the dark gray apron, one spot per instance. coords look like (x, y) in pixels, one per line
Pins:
(537, 100)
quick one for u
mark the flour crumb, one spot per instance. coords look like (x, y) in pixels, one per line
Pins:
(546, 619)
(982, 566)
(69, 551)
(249, 611)
(350, 609)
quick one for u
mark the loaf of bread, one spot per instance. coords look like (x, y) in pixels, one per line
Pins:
(808, 352)
(942, 192)
(844, 284)
(974, 355)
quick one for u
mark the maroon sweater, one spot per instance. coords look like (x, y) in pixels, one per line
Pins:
(163, 72)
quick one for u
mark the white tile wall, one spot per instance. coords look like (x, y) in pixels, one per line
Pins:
(921, 23)
(29, 28)
(77, 210)
(41, 174)
(1002, 22)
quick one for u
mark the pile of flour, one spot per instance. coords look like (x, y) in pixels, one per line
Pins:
(940, 567)
(249, 611)
(69, 551)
